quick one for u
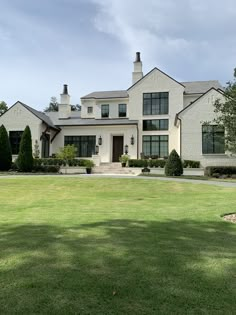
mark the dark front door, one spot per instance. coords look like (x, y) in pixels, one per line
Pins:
(118, 145)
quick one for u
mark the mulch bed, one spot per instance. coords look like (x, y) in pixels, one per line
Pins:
(230, 217)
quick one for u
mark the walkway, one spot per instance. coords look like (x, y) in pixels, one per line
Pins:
(191, 181)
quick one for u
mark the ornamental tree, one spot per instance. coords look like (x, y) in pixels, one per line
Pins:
(25, 158)
(173, 165)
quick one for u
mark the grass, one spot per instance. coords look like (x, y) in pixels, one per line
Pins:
(115, 246)
(195, 177)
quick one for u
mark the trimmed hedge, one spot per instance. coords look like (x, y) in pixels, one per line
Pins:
(220, 170)
(46, 168)
(25, 161)
(60, 162)
(5, 150)
(191, 164)
(146, 163)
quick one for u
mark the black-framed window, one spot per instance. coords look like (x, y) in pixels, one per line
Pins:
(15, 137)
(213, 139)
(155, 124)
(156, 146)
(90, 109)
(156, 103)
(122, 110)
(85, 144)
(105, 111)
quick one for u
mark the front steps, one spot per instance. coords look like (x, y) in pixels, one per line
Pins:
(116, 169)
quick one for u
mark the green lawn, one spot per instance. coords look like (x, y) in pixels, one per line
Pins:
(115, 246)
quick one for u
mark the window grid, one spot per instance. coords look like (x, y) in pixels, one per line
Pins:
(15, 137)
(155, 124)
(122, 110)
(105, 111)
(155, 146)
(156, 103)
(90, 109)
(213, 140)
(85, 144)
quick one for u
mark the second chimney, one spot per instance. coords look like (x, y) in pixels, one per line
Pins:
(64, 107)
(138, 69)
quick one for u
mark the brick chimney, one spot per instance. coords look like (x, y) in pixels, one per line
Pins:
(64, 106)
(138, 69)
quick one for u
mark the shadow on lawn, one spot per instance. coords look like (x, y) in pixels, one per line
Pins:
(119, 267)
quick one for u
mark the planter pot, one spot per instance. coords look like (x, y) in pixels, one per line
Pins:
(88, 170)
(123, 164)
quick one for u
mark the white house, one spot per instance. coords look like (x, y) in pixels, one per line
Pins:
(153, 116)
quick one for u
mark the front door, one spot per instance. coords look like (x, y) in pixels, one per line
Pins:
(118, 147)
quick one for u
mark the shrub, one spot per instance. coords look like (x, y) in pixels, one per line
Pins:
(5, 150)
(220, 170)
(67, 153)
(89, 164)
(138, 163)
(60, 162)
(25, 158)
(173, 165)
(46, 168)
(157, 163)
(191, 164)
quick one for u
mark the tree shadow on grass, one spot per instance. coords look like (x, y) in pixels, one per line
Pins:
(119, 267)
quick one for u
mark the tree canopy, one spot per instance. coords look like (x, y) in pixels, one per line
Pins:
(53, 105)
(3, 107)
(226, 114)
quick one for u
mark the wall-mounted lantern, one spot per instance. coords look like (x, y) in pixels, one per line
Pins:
(96, 149)
(132, 140)
(100, 140)
(126, 149)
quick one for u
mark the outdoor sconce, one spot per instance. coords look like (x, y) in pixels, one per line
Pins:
(126, 149)
(100, 140)
(132, 140)
(96, 149)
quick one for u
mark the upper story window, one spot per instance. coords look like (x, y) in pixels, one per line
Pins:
(155, 124)
(213, 139)
(90, 109)
(15, 137)
(156, 103)
(105, 111)
(122, 110)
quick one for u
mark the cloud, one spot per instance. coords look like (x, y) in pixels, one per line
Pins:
(188, 32)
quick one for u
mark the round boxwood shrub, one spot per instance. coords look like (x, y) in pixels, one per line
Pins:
(5, 150)
(25, 161)
(173, 165)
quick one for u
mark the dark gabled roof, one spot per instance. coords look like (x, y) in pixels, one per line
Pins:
(150, 73)
(200, 87)
(107, 94)
(40, 115)
(217, 90)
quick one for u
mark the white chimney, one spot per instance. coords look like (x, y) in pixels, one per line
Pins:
(138, 69)
(64, 106)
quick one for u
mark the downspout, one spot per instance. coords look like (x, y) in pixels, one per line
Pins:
(137, 141)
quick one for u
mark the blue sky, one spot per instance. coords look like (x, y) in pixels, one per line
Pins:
(91, 44)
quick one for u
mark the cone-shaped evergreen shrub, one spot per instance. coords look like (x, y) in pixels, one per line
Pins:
(5, 150)
(173, 165)
(25, 158)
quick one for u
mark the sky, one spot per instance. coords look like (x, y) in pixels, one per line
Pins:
(91, 44)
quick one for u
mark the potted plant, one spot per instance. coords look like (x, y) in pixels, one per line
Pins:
(124, 158)
(89, 164)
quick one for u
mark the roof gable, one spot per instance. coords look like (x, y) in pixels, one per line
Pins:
(200, 97)
(146, 75)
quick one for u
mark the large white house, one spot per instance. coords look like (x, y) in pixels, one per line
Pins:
(153, 116)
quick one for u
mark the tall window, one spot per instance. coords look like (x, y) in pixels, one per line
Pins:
(155, 124)
(122, 110)
(156, 103)
(15, 137)
(105, 111)
(155, 146)
(213, 139)
(85, 144)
